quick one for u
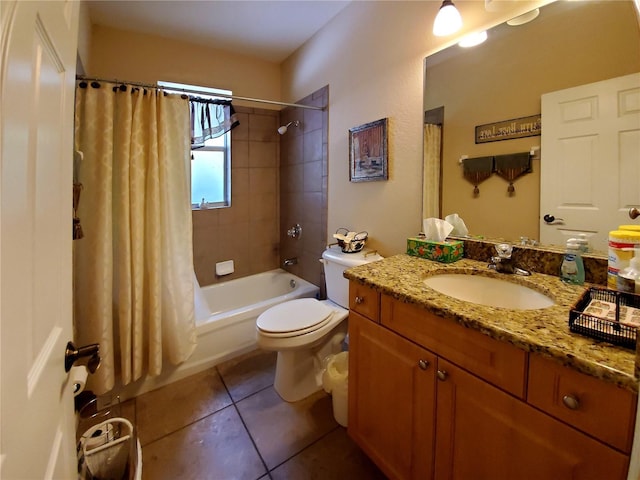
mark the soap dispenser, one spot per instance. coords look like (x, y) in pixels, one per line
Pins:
(628, 279)
(572, 269)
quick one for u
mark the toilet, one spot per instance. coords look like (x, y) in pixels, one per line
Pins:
(306, 331)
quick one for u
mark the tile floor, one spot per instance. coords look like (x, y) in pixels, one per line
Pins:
(228, 423)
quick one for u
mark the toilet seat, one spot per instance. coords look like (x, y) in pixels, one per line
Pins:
(294, 317)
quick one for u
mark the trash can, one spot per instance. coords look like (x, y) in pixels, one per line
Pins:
(335, 380)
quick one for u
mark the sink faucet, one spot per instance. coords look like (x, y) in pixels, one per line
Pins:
(503, 262)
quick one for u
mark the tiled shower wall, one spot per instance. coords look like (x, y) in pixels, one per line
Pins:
(303, 187)
(277, 181)
(246, 232)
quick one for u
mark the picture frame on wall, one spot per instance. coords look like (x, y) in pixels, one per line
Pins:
(368, 156)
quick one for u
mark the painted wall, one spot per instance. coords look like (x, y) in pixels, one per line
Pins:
(371, 55)
(84, 38)
(148, 58)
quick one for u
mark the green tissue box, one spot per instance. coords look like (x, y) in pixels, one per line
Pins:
(445, 252)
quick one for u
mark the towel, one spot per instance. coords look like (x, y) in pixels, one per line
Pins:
(512, 166)
(476, 170)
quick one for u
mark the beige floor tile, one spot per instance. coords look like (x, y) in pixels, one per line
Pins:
(249, 373)
(181, 403)
(280, 429)
(215, 448)
(128, 410)
(333, 457)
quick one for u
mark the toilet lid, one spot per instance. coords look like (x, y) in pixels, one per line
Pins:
(298, 315)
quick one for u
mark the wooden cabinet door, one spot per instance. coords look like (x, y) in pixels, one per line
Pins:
(391, 400)
(484, 433)
(364, 300)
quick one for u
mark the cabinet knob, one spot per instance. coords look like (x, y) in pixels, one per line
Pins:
(423, 364)
(571, 402)
(442, 375)
(359, 300)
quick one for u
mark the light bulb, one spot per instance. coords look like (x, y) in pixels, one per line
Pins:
(448, 20)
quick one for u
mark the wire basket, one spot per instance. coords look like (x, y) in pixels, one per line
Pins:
(589, 316)
(355, 245)
(107, 449)
(107, 444)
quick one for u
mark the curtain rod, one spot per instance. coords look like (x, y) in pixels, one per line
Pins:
(199, 92)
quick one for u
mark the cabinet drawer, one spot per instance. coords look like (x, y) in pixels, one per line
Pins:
(496, 362)
(598, 408)
(365, 301)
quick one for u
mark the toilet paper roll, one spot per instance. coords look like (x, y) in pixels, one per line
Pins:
(78, 375)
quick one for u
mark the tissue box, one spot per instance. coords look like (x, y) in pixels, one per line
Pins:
(445, 252)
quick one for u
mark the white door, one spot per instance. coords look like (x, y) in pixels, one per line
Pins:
(590, 168)
(38, 42)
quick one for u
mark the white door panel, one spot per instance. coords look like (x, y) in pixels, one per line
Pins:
(590, 168)
(37, 79)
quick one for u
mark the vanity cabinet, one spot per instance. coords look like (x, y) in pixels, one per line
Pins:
(485, 433)
(364, 300)
(432, 399)
(391, 411)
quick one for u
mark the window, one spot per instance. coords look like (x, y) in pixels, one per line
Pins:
(210, 165)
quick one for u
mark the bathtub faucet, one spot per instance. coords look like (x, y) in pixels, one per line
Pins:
(290, 261)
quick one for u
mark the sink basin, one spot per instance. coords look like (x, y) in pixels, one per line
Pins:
(489, 291)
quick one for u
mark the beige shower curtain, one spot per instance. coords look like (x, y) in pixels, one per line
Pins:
(133, 269)
(431, 172)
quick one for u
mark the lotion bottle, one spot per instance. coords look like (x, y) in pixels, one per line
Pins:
(572, 269)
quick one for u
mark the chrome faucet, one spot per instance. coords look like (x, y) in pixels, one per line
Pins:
(290, 261)
(503, 262)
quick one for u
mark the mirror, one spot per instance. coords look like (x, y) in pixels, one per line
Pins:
(568, 44)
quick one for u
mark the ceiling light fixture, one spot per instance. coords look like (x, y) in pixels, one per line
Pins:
(473, 39)
(448, 20)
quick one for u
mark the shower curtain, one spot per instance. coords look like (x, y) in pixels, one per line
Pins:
(133, 288)
(431, 173)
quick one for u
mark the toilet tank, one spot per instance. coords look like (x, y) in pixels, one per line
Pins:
(335, 262)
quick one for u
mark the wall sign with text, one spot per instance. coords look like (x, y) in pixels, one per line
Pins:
(509, 129)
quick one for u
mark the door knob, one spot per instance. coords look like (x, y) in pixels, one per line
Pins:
(551, 220)
(634, 213)
(73, 354)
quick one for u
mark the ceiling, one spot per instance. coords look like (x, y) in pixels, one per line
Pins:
(267, 29)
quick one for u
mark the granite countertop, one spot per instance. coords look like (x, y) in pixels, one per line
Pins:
(544, 331)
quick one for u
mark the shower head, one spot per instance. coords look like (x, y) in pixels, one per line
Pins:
(283, 129)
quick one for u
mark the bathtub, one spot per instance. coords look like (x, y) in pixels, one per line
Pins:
(226, 316)
(226, 312)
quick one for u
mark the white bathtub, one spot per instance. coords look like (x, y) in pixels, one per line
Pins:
(226, 316)
(226, 312)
